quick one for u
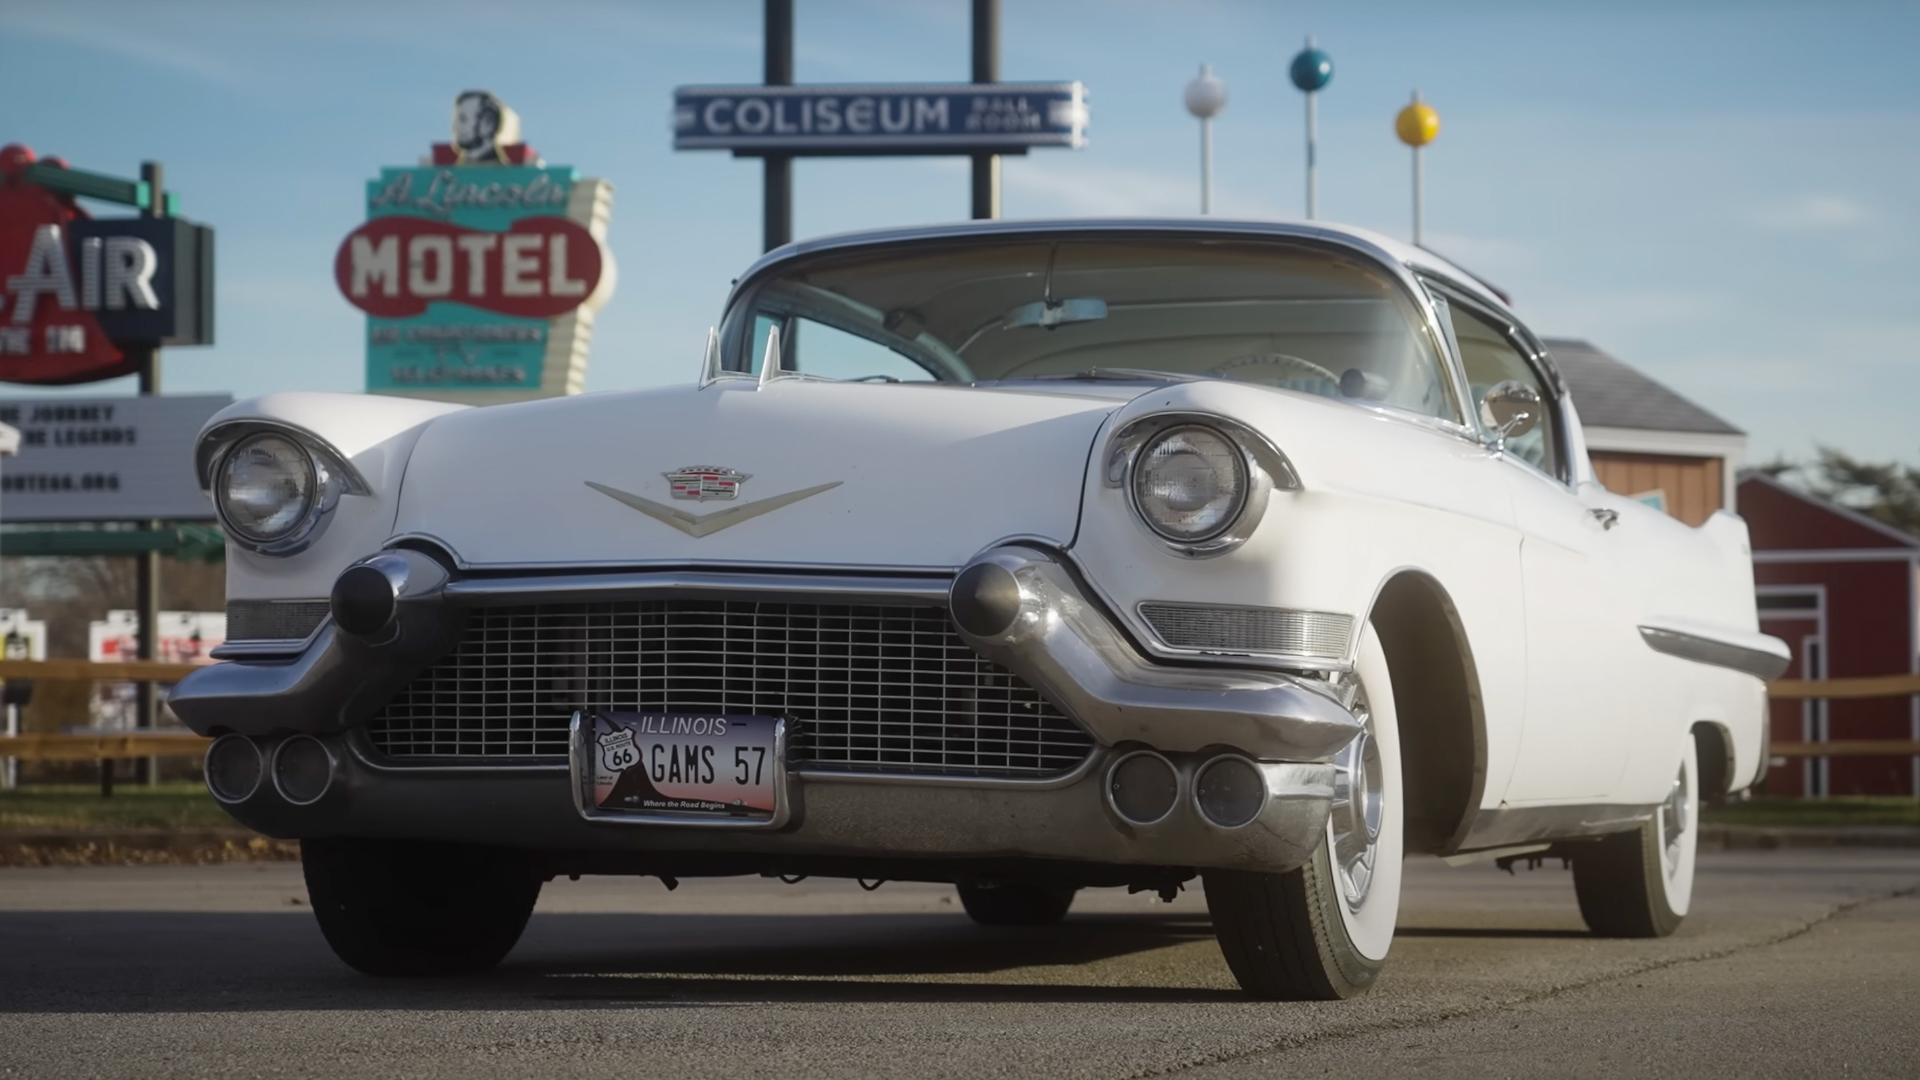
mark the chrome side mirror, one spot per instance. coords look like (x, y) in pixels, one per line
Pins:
(1509, 410)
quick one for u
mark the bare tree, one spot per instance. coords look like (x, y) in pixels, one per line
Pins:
(1888, 492)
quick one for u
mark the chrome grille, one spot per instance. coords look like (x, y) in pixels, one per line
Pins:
(871, 688)
(1249, 629)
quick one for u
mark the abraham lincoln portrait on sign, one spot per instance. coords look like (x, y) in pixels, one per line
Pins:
(483, 126)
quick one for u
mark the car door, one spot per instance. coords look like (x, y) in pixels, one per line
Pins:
(1581, 640)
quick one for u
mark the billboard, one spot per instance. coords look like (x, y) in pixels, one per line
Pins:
(105, 459)
(21, 636)
(480, 271)
(186, 637)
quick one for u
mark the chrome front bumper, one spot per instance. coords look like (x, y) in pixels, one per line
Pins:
(1050, 634)
(1066, 819)
(1017, 606)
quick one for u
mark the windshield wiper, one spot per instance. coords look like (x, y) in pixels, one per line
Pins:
(1116, 374)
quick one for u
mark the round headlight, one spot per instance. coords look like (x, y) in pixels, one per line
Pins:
(1190, 484)
(267, 488)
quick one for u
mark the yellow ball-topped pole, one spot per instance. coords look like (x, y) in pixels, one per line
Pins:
(1417, 125)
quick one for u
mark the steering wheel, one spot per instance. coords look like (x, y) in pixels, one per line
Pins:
(1240, 367)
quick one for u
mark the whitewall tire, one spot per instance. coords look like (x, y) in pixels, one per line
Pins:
(1322, 932)
(1640, 884)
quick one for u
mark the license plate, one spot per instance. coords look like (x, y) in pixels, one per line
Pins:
(685, 767)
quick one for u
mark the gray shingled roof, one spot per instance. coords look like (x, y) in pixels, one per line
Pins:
(1608, 393)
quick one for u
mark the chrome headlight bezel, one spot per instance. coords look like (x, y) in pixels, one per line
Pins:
(330, 476)
(1194, 436)
(1264, 467)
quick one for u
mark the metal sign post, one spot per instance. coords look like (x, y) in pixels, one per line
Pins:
(778, 121)
(777, 214)
(147, 579)
(986, 72)
(1206, 95)
(1311, 71)
(1417, 124)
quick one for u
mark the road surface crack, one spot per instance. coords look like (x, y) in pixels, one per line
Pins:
(1448, 1015)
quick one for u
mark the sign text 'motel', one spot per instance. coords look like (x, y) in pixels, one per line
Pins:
(906, 119)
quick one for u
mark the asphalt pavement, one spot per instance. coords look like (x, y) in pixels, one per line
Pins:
(1794, 963)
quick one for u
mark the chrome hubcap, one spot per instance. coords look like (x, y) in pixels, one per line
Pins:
(1673, 819)
(1354, 825)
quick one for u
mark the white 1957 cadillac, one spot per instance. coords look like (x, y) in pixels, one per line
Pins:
(1023, 556)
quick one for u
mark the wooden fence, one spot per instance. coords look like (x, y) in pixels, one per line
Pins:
(140, 744)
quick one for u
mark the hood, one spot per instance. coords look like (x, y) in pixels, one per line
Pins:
(795, 472)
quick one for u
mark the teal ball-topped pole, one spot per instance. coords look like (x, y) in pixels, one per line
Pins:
(1311, 71)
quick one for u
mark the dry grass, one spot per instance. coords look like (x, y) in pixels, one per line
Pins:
(54, 807)
(1836, 811)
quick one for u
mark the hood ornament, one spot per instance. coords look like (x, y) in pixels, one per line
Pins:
(702, 482)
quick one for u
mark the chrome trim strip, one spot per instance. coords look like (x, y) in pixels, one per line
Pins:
(1504, 826)
(735, 566)
(1293, 664)
(1306, 619)
(265, 648)
(476, 591)
(364, 753)
(1022, 783)
(1759, 663)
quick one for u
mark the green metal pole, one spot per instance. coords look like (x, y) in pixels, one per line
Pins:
(147, 586)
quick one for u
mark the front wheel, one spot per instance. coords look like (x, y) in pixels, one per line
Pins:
(1639, 884)
(399, 908)
(1321, 932)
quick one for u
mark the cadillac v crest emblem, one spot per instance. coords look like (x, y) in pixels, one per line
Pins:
(700, 484)
(703, 482)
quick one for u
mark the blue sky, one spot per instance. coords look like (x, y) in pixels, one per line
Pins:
(1720, 194)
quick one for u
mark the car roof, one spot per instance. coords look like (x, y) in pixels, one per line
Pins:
(1380, 248)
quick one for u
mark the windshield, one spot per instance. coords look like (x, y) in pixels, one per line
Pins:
(1280, 315)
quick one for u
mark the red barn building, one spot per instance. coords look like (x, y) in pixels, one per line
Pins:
(1843, 591)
